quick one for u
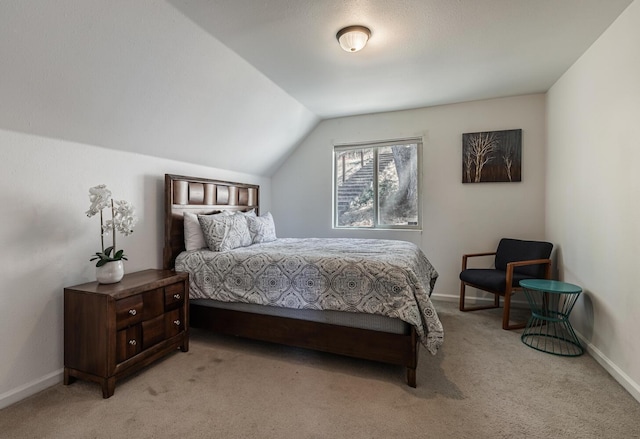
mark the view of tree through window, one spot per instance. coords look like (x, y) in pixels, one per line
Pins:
(376, 185)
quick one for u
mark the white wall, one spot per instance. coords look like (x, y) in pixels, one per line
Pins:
(593, 193)
(457, 218)
(130, 76)
(47, 240)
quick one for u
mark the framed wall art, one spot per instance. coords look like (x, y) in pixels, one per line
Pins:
(492, 156)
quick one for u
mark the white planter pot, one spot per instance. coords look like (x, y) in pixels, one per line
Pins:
(110, 273)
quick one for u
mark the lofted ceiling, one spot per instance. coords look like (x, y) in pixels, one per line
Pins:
(238, 84)
(421, 52)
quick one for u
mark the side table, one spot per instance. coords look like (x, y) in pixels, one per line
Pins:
(114, 330)
(548, 328)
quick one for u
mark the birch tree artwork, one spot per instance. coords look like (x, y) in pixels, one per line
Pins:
(492, 156)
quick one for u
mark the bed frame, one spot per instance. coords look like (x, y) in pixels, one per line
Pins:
(200, 195)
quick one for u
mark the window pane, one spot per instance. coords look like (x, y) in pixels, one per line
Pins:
(354, 188)
(398, 185)
(376, 185)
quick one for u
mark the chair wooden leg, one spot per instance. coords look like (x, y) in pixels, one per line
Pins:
(507, 311)
(465, 308)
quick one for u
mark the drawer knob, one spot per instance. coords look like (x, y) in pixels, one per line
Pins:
(132, 342)
(176, 296)
(132, 312)
(176, 322)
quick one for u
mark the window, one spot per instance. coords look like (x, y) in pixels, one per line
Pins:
(376, 185)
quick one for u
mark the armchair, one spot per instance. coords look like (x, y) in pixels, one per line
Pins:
(515, 260)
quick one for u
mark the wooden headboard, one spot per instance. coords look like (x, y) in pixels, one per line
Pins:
(199, 196)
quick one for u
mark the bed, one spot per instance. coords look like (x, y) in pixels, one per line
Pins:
(343, 296)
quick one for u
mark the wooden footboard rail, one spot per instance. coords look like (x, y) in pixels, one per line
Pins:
(399, 349)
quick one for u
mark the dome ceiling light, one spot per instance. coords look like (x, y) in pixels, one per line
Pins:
(353, 38)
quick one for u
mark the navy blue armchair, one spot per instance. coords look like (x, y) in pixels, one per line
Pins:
(515, 260)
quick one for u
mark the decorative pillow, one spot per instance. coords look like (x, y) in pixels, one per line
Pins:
(262, 228)
(193, 236)
(236, 233)
(251, 212)
(225, 232)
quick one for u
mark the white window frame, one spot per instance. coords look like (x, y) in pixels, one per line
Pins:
(376, 145)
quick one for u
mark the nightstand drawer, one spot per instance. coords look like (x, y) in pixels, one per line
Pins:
(153, 331)
(174, 322)
(128, 343)
(153, 302)
(174, 295)
(129, 311)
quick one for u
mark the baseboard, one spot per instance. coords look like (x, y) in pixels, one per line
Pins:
(622, 378)
(471, 300)
(26, 390)
(445, 297)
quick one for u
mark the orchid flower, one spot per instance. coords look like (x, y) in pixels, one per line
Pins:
(123, 220)
(100, 197)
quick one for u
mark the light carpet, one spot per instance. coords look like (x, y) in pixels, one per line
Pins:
(483, 383)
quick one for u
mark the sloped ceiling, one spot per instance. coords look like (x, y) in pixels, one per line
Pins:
(238, 84)
(421, 52)
(139, 76)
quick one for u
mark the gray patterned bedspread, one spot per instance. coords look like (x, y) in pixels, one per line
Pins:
(387, 277)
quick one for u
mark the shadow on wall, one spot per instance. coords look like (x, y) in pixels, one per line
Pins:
(586, 316)
(154, 193)
(556, 262)
(582, 316)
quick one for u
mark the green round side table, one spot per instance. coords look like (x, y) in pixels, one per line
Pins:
(548, 328)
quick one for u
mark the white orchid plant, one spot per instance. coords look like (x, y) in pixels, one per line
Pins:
(122, 220)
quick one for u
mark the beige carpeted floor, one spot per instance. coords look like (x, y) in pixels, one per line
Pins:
(484, 383)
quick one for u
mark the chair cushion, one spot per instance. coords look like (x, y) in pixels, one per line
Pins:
(493, 280)
(512, 250)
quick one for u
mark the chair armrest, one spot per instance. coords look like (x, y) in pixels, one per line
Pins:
(473, 255)
(512, 265)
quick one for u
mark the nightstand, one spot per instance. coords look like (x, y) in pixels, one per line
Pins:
(113, 330)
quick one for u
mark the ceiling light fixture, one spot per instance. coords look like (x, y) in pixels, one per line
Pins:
(353, 38)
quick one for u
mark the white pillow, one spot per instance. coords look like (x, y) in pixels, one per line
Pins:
(262, 228)
(193, 237)
(225, 232)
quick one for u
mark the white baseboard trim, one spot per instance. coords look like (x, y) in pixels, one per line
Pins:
(472, 300)
(26, 390)
(618, 374)
(445, 297)
(612, 369)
